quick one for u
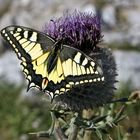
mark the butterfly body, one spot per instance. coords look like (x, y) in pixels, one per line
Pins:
(52, 66)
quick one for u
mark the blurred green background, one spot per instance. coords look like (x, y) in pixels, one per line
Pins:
(22, 112)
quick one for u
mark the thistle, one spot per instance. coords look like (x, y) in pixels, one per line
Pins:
(83, 31)
(79, 30)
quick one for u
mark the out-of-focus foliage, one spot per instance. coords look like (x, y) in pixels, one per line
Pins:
(18, 118)
(133, 111)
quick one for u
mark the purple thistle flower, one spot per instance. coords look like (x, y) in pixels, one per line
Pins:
(83, 31)
(76, 29)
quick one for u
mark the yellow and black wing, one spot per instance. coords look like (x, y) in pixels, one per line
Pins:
(49, 65)
(74, 68)
(32, 48)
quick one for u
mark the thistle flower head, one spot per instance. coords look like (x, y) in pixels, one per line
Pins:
(76, 29)
(83, 31)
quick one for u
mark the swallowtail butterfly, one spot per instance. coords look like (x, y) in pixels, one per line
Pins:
(49, 65)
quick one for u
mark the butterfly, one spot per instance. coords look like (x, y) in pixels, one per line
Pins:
(50, 65)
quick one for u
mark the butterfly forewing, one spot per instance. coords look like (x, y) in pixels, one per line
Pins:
(32, 48)
(78, 65)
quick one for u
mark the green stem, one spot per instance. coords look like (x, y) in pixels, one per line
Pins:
(73, 129)
(58, 132)
(88, 133)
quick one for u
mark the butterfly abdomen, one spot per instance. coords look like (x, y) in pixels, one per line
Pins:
(51, 61)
